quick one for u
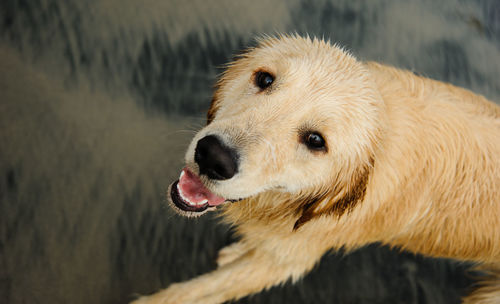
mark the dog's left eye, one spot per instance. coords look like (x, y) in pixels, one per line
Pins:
(314, 141)
(263, 80)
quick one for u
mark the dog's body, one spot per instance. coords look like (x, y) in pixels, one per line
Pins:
(321, 151)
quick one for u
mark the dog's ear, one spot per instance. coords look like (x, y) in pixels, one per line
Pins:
(307, 213)
(214, 104)
(213, 109)
(338, 201)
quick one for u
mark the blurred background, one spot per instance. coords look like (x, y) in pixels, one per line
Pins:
(99, 99)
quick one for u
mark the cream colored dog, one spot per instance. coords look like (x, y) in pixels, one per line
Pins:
(318, 151)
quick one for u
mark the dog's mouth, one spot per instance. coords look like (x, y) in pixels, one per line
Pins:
(190, 195)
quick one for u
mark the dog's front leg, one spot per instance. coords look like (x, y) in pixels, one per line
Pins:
(250, 273)
(232, 252)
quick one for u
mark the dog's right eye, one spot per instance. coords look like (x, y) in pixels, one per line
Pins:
(263, 80)
(314, 141)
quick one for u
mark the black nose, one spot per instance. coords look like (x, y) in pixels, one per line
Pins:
(216, 160)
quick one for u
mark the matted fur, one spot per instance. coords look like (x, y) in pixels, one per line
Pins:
(411, 162)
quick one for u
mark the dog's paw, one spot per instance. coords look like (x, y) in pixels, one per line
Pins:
(141, 300)
(170, 295)
(152, 299)
(189, 292)
(230, 253)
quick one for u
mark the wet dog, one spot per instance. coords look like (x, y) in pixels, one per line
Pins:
(319, 151)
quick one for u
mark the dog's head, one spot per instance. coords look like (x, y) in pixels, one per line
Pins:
(294, 115)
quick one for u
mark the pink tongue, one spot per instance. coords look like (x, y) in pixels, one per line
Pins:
(193, 189)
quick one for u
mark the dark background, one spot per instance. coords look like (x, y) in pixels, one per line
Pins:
(99, 98)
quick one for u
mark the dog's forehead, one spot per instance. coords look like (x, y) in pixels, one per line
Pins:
(293, 52)
(315, 79)
(306, 64)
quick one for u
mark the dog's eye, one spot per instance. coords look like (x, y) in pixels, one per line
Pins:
(263, 80)
(314, 141)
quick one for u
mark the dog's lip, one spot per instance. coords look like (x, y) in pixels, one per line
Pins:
(189, 194)
(193, 191)
(191, 197)
(185, 206)
(180, 203)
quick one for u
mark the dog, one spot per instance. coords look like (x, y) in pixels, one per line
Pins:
(307, 149)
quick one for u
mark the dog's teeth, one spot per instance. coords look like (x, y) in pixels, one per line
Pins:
(202, 202)
(187, 200)
(180, 191)
(182, 174)
(182, 196)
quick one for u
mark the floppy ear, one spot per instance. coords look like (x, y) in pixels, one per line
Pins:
(338, 201)
(214, 105)
(307, 212)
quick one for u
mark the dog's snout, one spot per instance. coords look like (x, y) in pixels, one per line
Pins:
(216, 160)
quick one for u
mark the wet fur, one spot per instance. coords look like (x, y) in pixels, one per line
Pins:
(424, 178)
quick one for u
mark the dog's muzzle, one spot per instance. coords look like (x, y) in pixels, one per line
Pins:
(215, 159)
(190, 195)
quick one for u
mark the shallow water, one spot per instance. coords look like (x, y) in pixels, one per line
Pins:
(99, 99)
